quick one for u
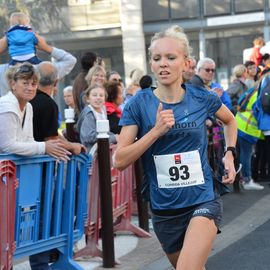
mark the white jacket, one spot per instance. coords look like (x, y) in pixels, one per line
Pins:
(14, 138)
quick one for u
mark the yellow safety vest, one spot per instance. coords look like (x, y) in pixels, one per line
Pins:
(246, 122)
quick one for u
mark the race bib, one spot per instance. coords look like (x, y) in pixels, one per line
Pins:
(179, 170)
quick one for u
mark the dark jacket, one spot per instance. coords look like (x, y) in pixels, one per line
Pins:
(235, 91)
(197, 81)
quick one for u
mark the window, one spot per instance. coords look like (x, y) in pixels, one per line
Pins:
(94, 14)
(217, 7)
(184, 9)
(249, 5)
(155, 10)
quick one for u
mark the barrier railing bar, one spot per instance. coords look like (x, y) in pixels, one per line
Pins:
(47, 205)
(8, 185)
(58, 199)
(68, 223)
(81, 200)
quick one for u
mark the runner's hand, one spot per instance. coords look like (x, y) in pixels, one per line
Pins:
(164, 120)
(230, 173)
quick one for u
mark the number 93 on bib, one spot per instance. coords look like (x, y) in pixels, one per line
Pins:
(179, 170)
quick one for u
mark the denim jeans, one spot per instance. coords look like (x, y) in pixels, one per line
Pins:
(245, 157)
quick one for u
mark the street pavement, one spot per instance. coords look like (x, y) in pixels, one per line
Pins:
(244, 243)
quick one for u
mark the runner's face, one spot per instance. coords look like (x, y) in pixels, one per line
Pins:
(168, 61)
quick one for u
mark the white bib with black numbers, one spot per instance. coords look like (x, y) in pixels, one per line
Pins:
(179, 170)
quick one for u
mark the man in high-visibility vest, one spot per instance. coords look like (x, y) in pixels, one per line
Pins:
(248, 134)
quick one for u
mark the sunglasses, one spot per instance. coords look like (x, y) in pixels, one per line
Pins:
(24, 69)
(209, 69)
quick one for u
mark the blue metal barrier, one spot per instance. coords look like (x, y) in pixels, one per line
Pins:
(51, 206)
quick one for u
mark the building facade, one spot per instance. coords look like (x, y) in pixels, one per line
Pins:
(120, 30)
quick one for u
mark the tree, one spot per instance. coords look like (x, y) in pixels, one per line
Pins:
(45, 15)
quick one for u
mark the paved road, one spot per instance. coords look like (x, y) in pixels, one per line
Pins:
(244, 243)
(249, 253)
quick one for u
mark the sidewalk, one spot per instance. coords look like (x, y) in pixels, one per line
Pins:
(243, 214)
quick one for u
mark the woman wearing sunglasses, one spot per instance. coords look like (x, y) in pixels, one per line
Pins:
(16, 117)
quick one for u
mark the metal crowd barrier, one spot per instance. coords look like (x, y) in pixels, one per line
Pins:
(8, 185)
(50, 206)
(122, 184)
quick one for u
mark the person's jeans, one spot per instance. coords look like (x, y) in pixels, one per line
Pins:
(245, 157)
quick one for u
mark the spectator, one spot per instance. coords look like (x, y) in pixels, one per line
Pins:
(45, 124)
(204, 77)
(45, 109)
(114, 99)
(238, 86)
(252, 71)
(113, 76)
(134, 86)
(191, 70)
(20, 40)
(248, 135)
(146, 82)
(256, 55)
(266, 60)
(96, 76)
(68, 97)
(15, 109)
(95, 96)
(64, 63)
(265, 64)
(88, 60)
(263, 118)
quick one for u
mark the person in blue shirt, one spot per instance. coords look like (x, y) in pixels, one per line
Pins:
(20, 40)
(169, 124)
(263, 118)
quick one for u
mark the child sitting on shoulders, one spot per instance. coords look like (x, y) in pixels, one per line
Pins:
(20, 40)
